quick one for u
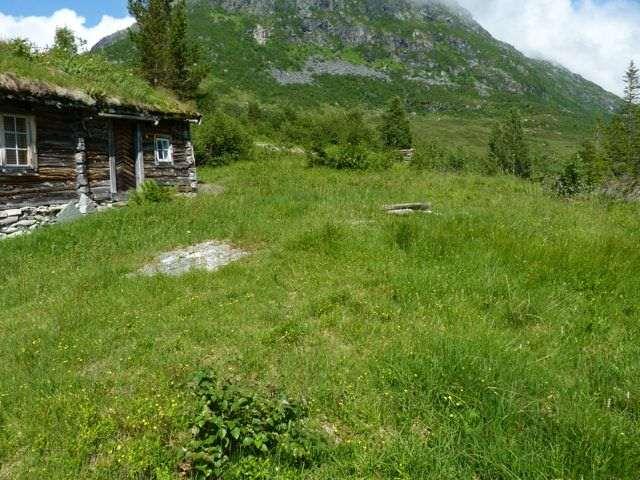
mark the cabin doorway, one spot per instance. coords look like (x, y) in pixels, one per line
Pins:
(126, 157)
(125, 153)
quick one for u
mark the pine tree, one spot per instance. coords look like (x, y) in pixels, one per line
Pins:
(594, 166)
(518, 149)
(396, 128)
(632, 84)
(186, 72)
(152, 39)
(498, 156)
(508, 148)
(166, 56)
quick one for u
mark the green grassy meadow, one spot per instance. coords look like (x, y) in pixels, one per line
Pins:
(495, 339)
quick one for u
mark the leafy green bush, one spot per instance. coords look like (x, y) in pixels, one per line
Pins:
(572, 180)
(235, 425)
(150, 192)
(221, 140)
(350, 157)
(435, 157)
(395, 130)
(508, 147)
(334, 126)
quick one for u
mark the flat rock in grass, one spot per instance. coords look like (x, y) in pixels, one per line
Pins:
(210, 189)
(407, 208)
(208, 256)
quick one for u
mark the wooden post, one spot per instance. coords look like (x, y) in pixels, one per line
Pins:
(113, 174)
(139, 156)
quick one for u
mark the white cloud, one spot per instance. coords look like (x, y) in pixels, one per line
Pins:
(593, 38)
(41, 30)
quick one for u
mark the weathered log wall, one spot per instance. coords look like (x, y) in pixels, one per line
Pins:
(57, 179)
(181, 173)
(54, 181)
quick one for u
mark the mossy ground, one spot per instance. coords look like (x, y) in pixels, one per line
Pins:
(495, 339)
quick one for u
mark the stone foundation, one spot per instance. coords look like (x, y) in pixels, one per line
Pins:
(22, 220)
(18, 221)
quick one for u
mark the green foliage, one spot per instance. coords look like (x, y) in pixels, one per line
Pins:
(508, 147)
(166, 56)
(187, 72)
(88, 72)
(235, 427)
(395, 130)
(632, 85)
(432, 156)
(573, 178)
(222, 31)
(152, 38)
(19, 48)
(221, 139)
(501, 342)
(351, 157)
(342, 139)
(333, 126)
(254, 112)
(150, 192)
(66, 43)
(596, 169)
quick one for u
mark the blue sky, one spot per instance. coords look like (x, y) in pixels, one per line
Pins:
(595, 38)
(91, 10)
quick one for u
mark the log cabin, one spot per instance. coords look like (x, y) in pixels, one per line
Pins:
(58, 145)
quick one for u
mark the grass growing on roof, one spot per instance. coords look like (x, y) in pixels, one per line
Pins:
(497, 339)
(90, 73)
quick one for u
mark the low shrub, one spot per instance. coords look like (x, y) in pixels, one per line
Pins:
(350, 157)
(236, 427)
(572, 180)
(221, 140)
(435, 157)
(150, 192)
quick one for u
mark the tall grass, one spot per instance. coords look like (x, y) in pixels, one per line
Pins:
(497, 339)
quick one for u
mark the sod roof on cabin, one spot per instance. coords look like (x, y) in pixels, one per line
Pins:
(86, 79)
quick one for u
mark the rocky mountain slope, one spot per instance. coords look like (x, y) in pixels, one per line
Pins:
(364, 51)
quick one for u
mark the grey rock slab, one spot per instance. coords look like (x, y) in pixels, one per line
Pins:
(68, 213)
(14, 212)
(209, 256)
(8, 221)
(86, 205)
(25, 223)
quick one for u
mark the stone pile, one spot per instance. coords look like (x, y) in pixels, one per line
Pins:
(18, 221)
(22, 220)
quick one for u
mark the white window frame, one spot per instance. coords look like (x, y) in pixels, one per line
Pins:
(32, 151)
(155, 149)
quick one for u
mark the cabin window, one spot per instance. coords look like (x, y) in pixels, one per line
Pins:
(17, 141)
(164, 150)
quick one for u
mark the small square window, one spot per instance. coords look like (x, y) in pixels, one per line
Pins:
(164, 150)
(17, 141)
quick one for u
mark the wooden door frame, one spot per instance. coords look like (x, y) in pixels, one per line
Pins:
(139, 155)
(112, 152)
(113, 174)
